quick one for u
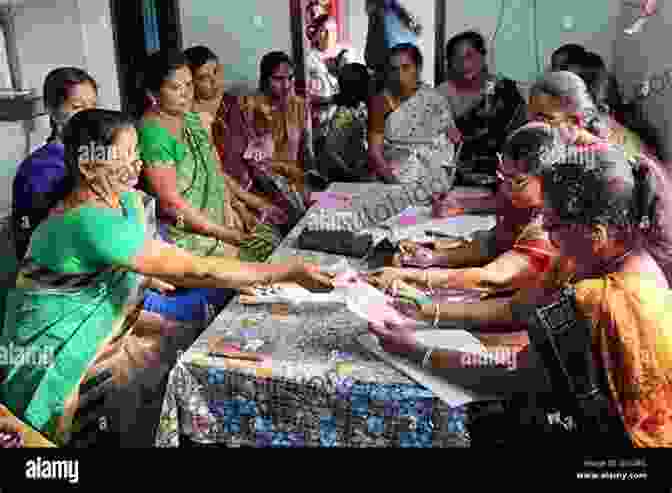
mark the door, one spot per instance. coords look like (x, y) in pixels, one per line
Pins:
(140, 28)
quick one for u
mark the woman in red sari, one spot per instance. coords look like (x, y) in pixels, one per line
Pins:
(517, 254)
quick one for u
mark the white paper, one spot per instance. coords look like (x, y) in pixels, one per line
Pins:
(449, 391)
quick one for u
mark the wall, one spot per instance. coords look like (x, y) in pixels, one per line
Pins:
(240, 32)
(424, 9)
(53, 34)
(595, 27)
(645, 56)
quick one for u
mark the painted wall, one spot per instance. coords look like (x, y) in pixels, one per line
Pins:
(647, 56)
(239, 32)
(51, 34)
(594, 26)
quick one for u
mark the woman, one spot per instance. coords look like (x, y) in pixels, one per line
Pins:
(204, 210)
(390, 24)
(40, 177)
(208, 76)
(486, 107)
(516, 255)
(408, 123)
(563, 100)
(77, 293)
(261, 139)
(626, 127)
(344, 157)
(324, 60)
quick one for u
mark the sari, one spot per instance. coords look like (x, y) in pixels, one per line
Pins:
(70, 302)
(622, 321)
(415, 140)
(632, 340)
(201, 184)
(484, 129)
(263, 148)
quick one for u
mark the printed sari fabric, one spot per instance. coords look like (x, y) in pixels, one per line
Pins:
(416, 144)
(632, 338)
(262, 147)
(484, 129)
(199, 182)
(71, 300)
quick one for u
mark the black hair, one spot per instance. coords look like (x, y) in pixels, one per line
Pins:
(56, 89)
(158, 68)
(269, 63)
(197, 56)
(575, 54)
(472, 37)
(534, 144)
(90, 127)
(354, 82)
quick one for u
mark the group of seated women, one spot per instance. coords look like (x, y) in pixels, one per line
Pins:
(119, 252)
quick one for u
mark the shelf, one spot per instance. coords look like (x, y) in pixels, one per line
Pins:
(20, 106)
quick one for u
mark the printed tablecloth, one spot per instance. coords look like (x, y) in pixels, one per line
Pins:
(321, 387)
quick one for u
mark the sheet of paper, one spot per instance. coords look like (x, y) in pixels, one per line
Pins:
(449, 390)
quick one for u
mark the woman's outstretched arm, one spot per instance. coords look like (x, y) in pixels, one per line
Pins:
(177, 266)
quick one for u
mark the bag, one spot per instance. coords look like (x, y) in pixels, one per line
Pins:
(563, 340)
(335, 242)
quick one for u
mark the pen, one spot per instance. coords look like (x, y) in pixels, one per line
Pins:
(236, 355)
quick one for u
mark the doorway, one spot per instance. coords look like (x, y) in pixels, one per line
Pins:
(140, 28)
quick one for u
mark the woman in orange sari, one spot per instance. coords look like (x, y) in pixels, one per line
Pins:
(605, 337)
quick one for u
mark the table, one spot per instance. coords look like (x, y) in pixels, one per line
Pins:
(304, 398)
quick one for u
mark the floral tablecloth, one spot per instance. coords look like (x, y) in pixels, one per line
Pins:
(321, 388)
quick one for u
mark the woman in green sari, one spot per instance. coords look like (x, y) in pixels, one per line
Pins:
(77, 296)
(202, 209)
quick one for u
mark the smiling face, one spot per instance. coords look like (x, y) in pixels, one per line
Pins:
(112, 170)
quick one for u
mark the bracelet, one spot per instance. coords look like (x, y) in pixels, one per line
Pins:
(427, 358)
(437, 313)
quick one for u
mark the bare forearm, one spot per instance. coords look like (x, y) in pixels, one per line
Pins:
(469, 255)
(190, 219)
(494, 311)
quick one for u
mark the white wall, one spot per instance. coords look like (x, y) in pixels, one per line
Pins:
(51, 34)
(644, 56)
(239, 32)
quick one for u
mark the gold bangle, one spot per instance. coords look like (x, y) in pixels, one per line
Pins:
(437, 313)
